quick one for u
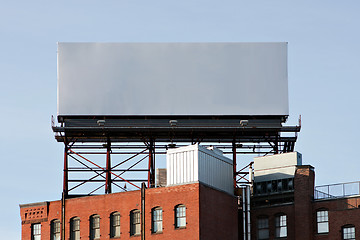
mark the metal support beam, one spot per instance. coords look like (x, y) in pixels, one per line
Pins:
(277, 145)
(66, 172)
(108, 168)
(234, 162)
(151, 174)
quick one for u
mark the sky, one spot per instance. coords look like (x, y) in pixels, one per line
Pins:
(323, 68)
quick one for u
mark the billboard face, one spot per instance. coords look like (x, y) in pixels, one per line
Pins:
(172, 79)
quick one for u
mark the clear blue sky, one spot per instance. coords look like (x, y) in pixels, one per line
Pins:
(323, 65)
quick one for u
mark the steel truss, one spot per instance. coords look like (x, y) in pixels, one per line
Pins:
(118, 155)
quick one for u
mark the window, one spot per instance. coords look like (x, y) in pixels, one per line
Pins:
(95, 227)
(280, 226)
(322, 219)
(180, 216)
(263, 228)
(157, 220)
(55, 229)
(348, 232)
(36, 231)
(134, 222)
(75, 228)
(115, 225)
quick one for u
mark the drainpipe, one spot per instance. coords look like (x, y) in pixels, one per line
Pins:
(142, 211)
(63, 216)
(249, 189)
(248, 212)
(244, 212)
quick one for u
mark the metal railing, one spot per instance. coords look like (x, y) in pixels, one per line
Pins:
(338, 190)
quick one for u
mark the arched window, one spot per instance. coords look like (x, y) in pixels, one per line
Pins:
(55, 229)
(180, 216)
(156, 219)
(36, 231)
(75, 228)
(280, 226)
(134, 222)
(263, 227)
(322, 220)
(348, 232)
(115, 224)
(95, 227)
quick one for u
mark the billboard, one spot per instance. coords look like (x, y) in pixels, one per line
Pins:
(126, 79)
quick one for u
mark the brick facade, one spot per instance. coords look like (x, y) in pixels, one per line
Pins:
(216, 210)
(210, 214)
(302, 212)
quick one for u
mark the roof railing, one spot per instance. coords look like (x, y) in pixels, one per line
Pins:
(337, 190)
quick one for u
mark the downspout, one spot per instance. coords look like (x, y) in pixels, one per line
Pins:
(248, 212)
(244, 212)
(142, 211)
(248, 197)
(63, 216)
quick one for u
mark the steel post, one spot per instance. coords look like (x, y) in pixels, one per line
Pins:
(66, 172)
(234, 162)
(108, 168)
(277, 145)
(151, 174)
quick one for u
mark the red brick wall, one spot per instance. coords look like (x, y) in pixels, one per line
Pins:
(303, 196)
(218, 215)
(299, 214)
(33, 213)
(271, 213)
(167, 198)
(340, 214)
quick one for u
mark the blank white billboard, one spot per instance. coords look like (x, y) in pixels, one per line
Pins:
(172, 79)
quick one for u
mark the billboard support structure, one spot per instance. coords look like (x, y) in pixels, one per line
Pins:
(126, 147)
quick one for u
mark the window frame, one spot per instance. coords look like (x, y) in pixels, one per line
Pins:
(36, 231)
(114, 224)
(75, 229)
(266, 228)
(280, 227)
(55, 229)
(157, 220)
(348, 226)
(94, 225)
(321, 220)
(180, 215)
(135, 221)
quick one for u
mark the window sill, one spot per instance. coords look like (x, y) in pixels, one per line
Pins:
(135, 235)
(179, 228)
(155, 233)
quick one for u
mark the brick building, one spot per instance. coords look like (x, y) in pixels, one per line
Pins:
(282, 208)
(304, 213)
(191, 211)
